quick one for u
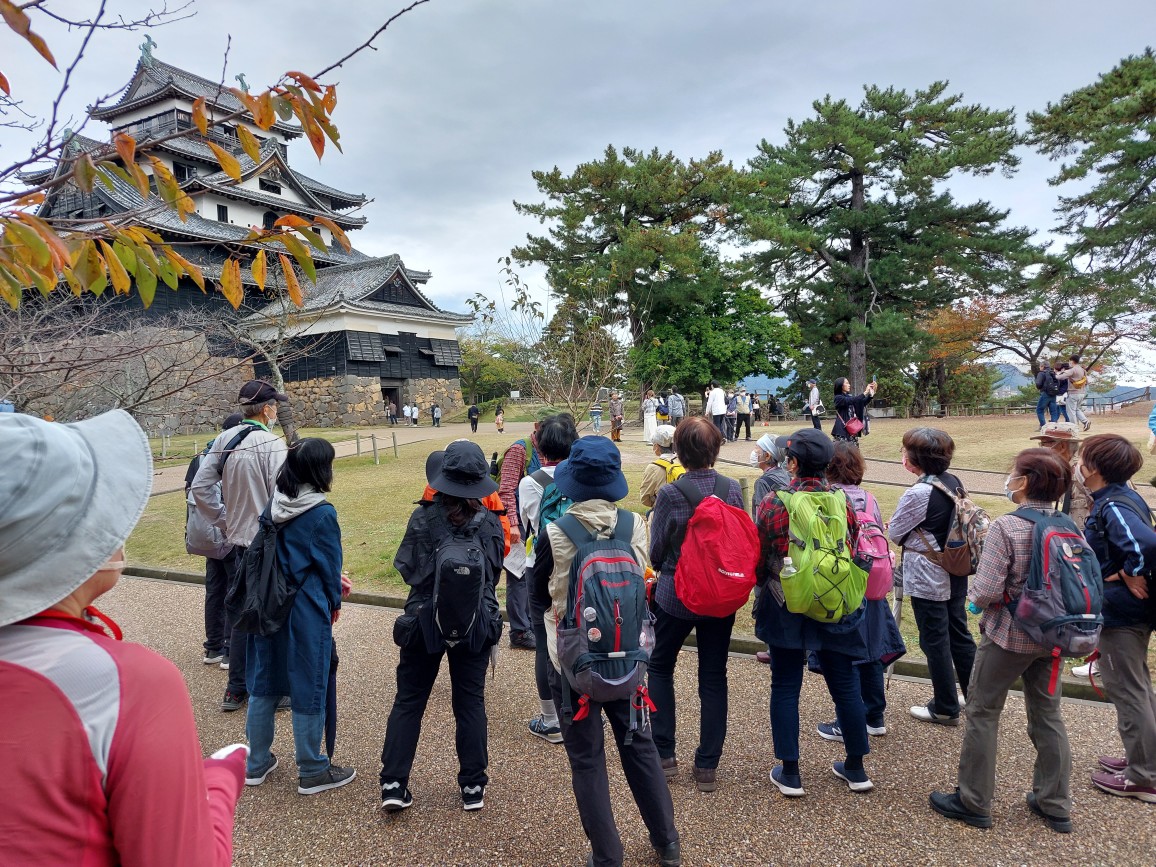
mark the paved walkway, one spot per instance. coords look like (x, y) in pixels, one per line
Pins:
(530, 819)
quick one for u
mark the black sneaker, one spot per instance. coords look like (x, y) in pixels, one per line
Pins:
(951, 807)
(232, 701)
(524, 640)
(333, 777)
(258, 777)
(394, 797)
(473, 797)
(1059, 824)
(213, 657)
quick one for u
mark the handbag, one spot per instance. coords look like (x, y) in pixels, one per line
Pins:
(818, 410)
(852, 425)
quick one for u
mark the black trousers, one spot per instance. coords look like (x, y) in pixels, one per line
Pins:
(713, 637)
(816, 422)
(474, 425)
(586, 749)
(237, 646)
(216, 623)
(947, 645)
(744, 418)
(416, 673)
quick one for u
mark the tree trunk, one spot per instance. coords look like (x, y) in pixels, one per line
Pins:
(284, 411)
(941, 385)
(857, 259)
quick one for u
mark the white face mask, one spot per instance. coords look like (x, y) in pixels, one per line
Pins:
(1078, 472)
(755, 456)
(1008, 492)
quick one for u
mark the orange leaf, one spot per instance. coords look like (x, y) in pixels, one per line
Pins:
(249, 143)
(304, 80)
(199, 117)
(4, 86)
(259, 269)
(186, 266)
(292, 221)
(231, 286)
(266, 115)
(291, 284)
(329, 101)
(60, 253)
(17, 19)
(120, 278)
(228, 162)
(125, 147)
(338, 235)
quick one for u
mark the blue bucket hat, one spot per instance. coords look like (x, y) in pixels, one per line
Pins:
(592, 472)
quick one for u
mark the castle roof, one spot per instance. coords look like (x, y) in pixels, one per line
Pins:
(154, 80)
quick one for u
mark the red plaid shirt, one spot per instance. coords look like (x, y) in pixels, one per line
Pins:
(774, 523)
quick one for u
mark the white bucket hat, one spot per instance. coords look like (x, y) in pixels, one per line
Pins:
(70, 495)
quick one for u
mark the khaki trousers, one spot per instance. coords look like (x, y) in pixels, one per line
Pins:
(1128, 683)
(995, 671)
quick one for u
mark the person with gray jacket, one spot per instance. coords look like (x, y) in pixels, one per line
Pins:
(244, 461)
(203, 539)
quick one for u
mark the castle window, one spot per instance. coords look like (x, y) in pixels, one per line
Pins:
(363, 346)
(269, 186)
(183, 172)
(222, 214)
(268, 219)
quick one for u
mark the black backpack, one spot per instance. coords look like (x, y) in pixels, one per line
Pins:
(262, 595)
(461, 576)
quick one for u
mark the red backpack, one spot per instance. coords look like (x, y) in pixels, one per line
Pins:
(872, 553)
(719, 549)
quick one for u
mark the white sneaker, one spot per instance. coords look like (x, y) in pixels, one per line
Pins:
(922, 712)
(1091, 669)
(876, 731)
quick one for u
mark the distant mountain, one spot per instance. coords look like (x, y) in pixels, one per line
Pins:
(1010, 376)
(763, 384)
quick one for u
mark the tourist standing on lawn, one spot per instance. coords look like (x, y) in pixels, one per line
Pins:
(1064, 439)
(102, 760)
(1048, 387)
(920, 526)
(814, 407)
(649, 416)
(697, 443)
(295, 660)
(1120, 532)
(878, 627)
(455, 513)
(472, 414)
(791, 636)
(848, 407)
(617, 417)
(1038, 478)
(244, 461)
(500, 419)
(592, 478)
(659, 471)
(676, 403)
(1076, 376)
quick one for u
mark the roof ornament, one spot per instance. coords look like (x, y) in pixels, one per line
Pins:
(146, 51)
(240, 76)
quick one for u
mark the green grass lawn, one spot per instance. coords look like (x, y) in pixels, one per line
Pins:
(374, 502)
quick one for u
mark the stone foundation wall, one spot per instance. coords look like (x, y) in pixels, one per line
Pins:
(351, 401)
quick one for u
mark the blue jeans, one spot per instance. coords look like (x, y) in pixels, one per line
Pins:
(308, 730)
(843, 684)
(1048, 402)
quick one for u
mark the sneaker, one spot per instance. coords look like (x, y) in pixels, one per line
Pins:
(1118, 784)
(1089, 669)
(256, 779)
(333, 777)
(952, 807)
(1113, 764)
(1088, 425)
(524, 640)
(924, 713)
(541, 729)
(283, 703)
(394, 797)
(877, 731)
(472, 797)
(704, 778)
(669, 767)
(669, 855)
(225, 664)
(1059, 824)
(790, 785)
(232, 701)
(830, 731)
(213, 657)
(857, 781)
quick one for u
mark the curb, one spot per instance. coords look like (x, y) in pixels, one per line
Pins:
(744, 645)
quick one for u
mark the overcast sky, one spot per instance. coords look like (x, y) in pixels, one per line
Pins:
(464, 98)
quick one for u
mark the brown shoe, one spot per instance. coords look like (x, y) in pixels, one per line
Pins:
(704, 778)
(669, 767)
(763, 656)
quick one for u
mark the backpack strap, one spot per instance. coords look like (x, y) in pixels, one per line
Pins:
(624, 526)
(575, 530)
(542, 477)
(232, 444)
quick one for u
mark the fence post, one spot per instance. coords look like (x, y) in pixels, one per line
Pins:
(745, 485)
(164, 446)
(373, 443)
(394, 435)
(196, 451)
(358, 444)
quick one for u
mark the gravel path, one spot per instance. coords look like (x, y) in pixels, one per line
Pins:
(530, 819)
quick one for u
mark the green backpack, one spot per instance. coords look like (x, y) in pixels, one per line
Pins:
(827, 585)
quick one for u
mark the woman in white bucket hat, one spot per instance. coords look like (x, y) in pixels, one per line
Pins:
(101, 756)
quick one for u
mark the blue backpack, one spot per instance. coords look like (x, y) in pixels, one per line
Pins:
(1059, 607)
(606, 633)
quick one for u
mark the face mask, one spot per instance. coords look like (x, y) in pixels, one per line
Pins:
(1008, 492)
(1078, 473)
(755, 455)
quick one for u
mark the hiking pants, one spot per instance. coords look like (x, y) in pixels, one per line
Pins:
(416, 673)
(1128, 683)
(586, 749)
(713, 635)
(995, 671)
(518, 601)
(744, 418)
(947, 645)
(842, 683)
(216, 623)
(1076, 406)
